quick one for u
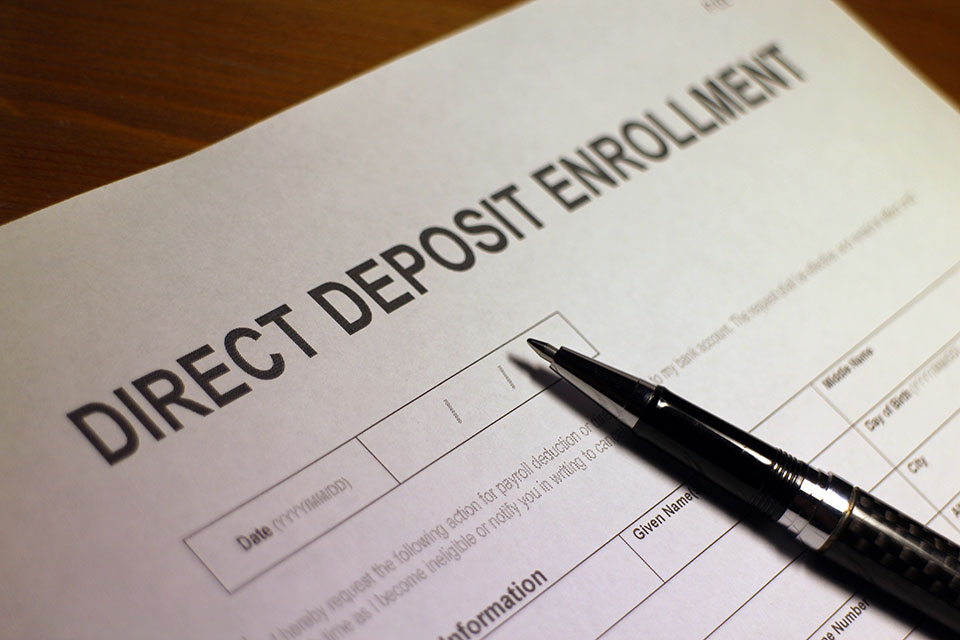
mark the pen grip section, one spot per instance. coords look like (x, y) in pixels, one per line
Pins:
(899, 555)
(761, 475)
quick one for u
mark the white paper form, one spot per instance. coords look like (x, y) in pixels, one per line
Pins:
(279, 389)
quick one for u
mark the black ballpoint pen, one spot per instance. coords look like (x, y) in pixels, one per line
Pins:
(888, 549)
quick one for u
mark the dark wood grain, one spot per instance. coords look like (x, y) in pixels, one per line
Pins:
(923, 32)
(91, 92)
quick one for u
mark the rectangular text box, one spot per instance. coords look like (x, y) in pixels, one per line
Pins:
(458, 408)
(282, 520)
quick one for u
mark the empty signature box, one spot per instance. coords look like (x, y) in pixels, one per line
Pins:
(458, 408)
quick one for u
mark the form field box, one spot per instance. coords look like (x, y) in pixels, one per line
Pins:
(589, 599)
(797, 599)
(870, 622)
(274, 525)
(932, 469)
(464, 404)
(699, 598)
(876, 365)
(916, 408)
(673, 532)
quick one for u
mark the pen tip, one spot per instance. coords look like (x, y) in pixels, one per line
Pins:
(544, 350)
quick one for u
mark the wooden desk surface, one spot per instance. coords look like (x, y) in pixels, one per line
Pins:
(91, 92)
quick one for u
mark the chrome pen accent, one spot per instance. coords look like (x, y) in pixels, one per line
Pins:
(820, 504)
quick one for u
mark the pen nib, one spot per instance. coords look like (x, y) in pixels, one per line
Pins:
(544, 350)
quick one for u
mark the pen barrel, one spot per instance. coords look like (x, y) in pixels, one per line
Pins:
(758, 473)
(868, 537)
(847, 525)
(900, 556)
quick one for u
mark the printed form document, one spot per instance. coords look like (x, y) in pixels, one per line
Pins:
(279, 389)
